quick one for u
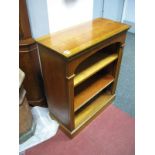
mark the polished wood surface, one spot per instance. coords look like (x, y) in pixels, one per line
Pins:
(90, 89)
(93, 69)
(75, 81)
(56, 87)
(81, 37)
(86, 113)
(24, 25)
(29, 63)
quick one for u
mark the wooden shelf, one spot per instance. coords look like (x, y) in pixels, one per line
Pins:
(94, 68)
(91, 88)
(86, 113)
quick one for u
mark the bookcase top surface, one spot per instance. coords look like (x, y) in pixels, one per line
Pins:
(74, 40)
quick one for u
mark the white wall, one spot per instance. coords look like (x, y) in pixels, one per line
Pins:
(129, 14)
(52, 15)
(113, 9)
(119, 10)
(38, 17)
(66, 13)
(98, 8)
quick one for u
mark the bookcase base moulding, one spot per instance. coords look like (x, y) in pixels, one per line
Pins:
(80, 68)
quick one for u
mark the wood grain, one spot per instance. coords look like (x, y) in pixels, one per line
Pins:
(78, 38)
(86, 113)
(93, 69)
(24, 25)
(92, 88)
(55, 83)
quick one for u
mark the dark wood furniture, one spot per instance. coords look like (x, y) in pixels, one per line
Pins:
(80, 68)
(29, 60)
(26, 124)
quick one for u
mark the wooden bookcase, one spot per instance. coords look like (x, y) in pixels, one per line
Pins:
(80, 68)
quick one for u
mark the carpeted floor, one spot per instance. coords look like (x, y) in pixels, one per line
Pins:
(125, 93)
(111, 133)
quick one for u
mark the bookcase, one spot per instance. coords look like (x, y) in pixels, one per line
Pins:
(80, 67)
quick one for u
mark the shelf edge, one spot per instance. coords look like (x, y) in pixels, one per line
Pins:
(77, 82)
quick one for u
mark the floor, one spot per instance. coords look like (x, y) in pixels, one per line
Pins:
(125, 93)
(113, 137)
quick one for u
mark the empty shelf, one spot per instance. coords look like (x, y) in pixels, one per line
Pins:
(90, 110)
(90, 89)
(94, 68)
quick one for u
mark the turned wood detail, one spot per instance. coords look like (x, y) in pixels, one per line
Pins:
(29, 63)
(24, 25)
(29, 60)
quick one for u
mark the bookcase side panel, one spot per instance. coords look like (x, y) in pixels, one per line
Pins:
(56, 86)
(118, 63)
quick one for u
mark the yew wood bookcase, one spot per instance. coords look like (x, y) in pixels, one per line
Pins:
(80, 68)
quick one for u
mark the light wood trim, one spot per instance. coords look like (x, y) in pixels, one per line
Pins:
(93, 69)
(93, 89)
(84, 115)
(70, 77)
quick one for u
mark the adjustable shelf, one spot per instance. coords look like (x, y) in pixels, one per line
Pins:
(91, 88)
(89, 111)
(94, 68)
(80, 71)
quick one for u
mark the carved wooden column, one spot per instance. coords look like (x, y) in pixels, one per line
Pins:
(29, 60)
